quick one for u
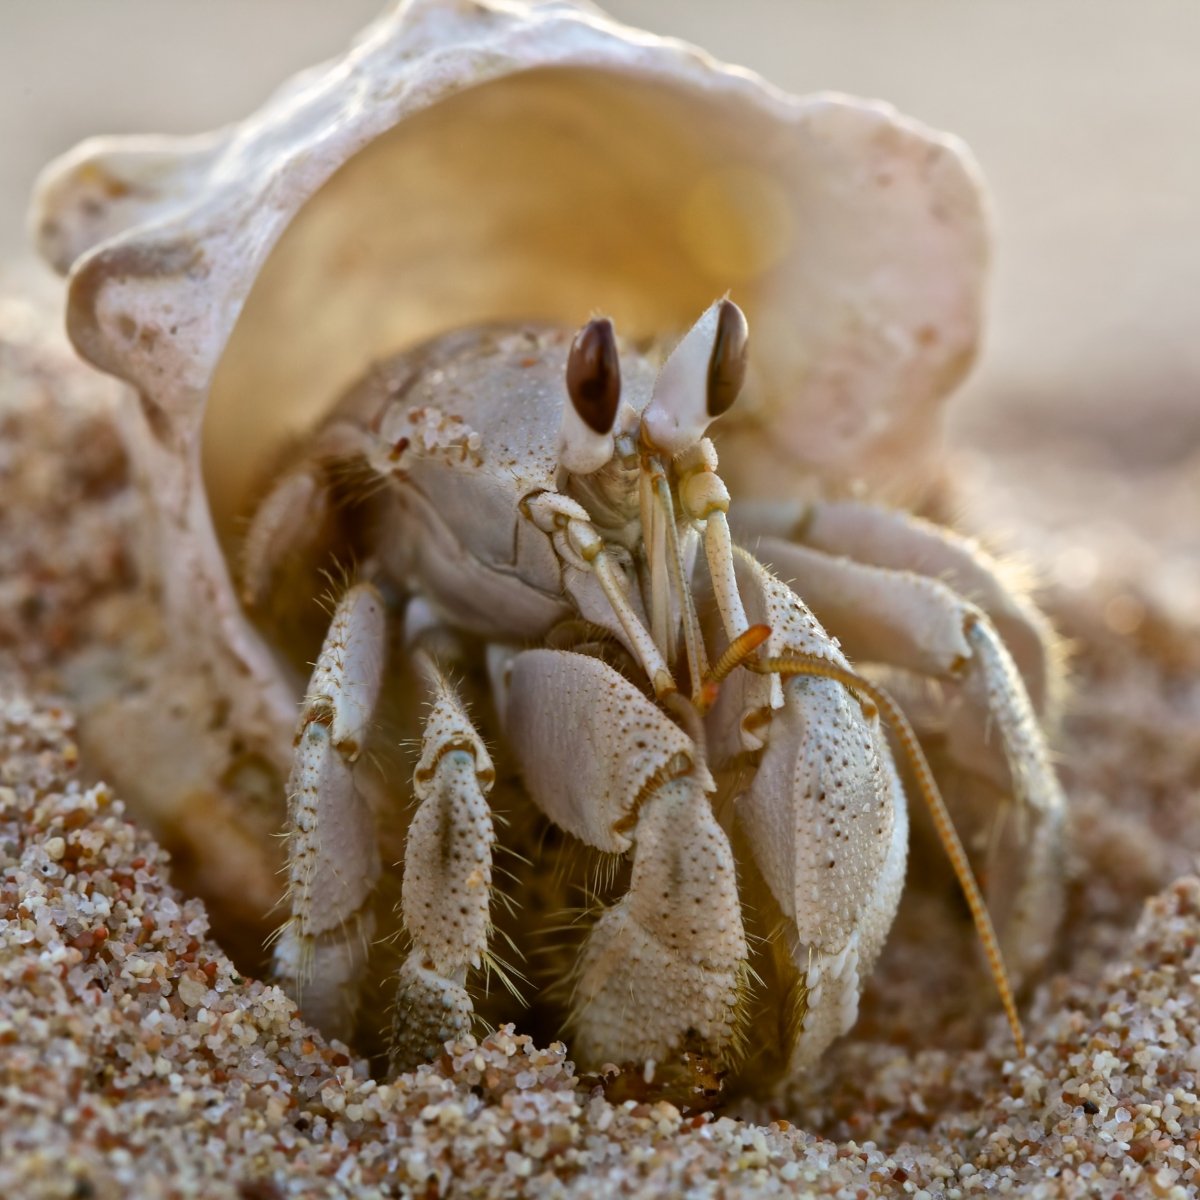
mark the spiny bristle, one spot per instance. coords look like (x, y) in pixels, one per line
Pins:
(510, 904)
(507, 850)
(278, 932)
(506, 973)
(353, 480)
(748, 984)
(512, 945)
(795, 1012)
(482, 1027)
(604, 874)
(339, 576)
(499, 870)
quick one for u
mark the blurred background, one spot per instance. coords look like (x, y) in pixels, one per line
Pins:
(1079, 430)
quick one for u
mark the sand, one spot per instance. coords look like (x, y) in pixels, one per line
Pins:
(136, 1062)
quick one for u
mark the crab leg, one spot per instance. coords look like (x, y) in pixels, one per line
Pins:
(333, 862)
(663, 967)
(447, 878)
(899, 541)
(290, 516)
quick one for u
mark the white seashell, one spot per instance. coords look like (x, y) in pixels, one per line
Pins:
(470, 160)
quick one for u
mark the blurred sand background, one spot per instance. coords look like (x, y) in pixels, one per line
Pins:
(1079, 429)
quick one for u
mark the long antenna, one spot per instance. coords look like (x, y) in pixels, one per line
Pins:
(737, 652)
(801, 664)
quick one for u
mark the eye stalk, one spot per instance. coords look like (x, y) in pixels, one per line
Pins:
(594, 375)
(700, 380)
(727, 366)
(594, 388)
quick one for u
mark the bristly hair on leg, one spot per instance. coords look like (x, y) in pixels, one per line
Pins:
(340, 574)
(505, 972)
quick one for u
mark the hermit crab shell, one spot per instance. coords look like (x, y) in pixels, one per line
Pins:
(475, 160)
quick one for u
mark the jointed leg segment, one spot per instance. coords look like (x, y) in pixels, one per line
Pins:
(333, 862)
(447, 878)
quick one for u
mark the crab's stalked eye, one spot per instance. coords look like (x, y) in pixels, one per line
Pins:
(594, 375)
(727, 366)
(699, 381)
(594, 389)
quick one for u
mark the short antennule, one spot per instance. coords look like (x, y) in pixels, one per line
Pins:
(594, 391)
(699, 381)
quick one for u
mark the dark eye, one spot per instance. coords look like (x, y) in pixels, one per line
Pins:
(727, 366)
(594, 375)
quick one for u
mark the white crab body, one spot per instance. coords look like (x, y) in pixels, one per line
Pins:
(470, 167)
(470, 426)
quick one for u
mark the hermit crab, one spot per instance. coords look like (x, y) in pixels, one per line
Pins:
(441, 332)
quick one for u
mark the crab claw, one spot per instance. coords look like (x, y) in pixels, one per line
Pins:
(822, 820)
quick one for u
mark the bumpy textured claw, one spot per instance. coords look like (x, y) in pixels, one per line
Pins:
(893, 611)
(823, 816)
(664, 966)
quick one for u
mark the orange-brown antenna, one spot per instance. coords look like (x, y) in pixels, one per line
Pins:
(736, 653)
(801, 664)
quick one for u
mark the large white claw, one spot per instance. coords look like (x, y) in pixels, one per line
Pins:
(824, 816)
(661, 970)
